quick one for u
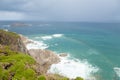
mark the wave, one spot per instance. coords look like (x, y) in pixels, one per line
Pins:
(46, 37)
(40, 44)
(117, 71)
(51, 36)
(73, 68)
(57, 35)
(36, 45)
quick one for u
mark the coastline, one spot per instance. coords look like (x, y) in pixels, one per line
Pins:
(16, 61)
(44, 58)
(53, 63)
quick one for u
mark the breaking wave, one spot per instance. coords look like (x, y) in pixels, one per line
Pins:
(117, 70)
(51, 36)
(68, 66)
(73, 68)
(36, 45)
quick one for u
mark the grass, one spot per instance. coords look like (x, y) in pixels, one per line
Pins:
(41, 77)
(79, 78)
(20, 66)
(16, 65)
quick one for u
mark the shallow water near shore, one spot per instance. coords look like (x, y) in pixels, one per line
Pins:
(94, 48)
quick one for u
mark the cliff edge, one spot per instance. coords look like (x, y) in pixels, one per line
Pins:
(18, 63)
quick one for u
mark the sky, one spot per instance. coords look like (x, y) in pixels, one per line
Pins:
(61, 10)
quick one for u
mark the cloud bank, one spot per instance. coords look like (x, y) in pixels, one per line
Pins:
(61, 10)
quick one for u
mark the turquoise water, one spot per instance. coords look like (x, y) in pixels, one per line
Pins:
(98, 43)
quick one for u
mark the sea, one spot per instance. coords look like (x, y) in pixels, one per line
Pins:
(93, 49)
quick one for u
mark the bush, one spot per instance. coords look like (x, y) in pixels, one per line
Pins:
(41, 77)
(14, 65)
(79, 78)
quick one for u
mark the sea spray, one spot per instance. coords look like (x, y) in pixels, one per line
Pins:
(57, 35)
(48, 37)
(36, 45)
(73, 68)
(117, 70)
(68, 66)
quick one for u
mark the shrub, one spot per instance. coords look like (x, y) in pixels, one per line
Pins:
(79, 78)
(41, 77)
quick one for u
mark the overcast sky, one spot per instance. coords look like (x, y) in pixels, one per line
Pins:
(61, 10)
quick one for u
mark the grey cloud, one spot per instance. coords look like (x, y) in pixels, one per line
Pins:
(65, 10)
(12, 5)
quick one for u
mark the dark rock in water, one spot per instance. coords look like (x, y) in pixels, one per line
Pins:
(63, 55)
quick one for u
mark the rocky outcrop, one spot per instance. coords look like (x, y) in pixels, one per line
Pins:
(13, 41)
(44, 58)
(63, 55)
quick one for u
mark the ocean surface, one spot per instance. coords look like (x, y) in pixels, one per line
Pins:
(93, 48)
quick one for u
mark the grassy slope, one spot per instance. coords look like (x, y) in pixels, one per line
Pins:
(14, 65)
(19, 66)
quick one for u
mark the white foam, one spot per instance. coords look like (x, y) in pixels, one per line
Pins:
(6, 25)
(73, 68)
(36, 45)
(117, 70)
(57, 35)
(46, 37)
(51, 36)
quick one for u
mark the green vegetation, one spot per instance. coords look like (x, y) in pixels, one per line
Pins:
(79, 78)
(12, 40)
(8, 38)
(56, 77)
(14, 65)
(20, 66)
(41, 77)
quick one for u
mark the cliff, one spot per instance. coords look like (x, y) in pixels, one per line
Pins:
(18, 63)
(13, 41)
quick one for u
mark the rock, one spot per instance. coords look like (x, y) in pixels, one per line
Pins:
(12, 40)
(63, 55)
(45, 58)
(25, 40)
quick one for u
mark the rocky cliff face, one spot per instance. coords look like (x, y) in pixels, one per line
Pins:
(13, 41)
(44, 58)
